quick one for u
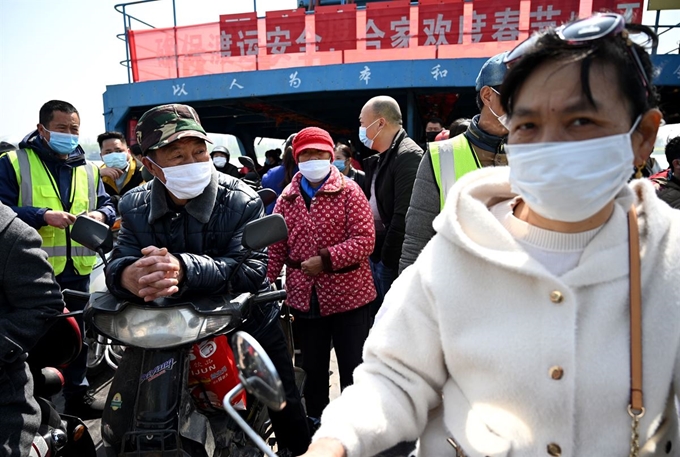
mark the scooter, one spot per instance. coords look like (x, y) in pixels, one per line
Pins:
(59, 435)
(161, 415)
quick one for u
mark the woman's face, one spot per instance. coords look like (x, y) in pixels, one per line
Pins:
(313, 154)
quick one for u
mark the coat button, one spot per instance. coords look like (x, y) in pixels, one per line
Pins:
(556, 296)
(556, 373)
(554, 449)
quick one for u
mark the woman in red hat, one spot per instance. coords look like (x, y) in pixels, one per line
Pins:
(330, 236)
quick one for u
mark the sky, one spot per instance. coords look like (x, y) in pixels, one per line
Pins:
(68, 50)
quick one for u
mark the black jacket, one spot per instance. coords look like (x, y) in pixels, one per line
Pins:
(205, 235)
(395, 171)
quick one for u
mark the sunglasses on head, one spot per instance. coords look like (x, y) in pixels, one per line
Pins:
(580, 33)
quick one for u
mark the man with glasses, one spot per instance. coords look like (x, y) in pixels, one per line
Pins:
(519, 330)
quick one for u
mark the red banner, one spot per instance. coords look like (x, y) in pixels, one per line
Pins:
(238, 34)
(631, 9)
(551, 13)
(286, 31)
(336, 26)
(495, 20)
(440, 22)
(387, 25)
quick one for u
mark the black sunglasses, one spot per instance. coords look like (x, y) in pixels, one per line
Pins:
(580, 32)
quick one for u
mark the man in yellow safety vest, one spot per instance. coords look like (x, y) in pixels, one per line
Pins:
(48, 182)
(446, 161)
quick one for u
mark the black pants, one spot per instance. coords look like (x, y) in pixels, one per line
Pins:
(290, 424)
(347, 331)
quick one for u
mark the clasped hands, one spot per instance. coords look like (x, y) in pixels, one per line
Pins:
(157, 274)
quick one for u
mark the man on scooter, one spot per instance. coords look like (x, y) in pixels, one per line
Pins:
(181, 234)
(29, 297)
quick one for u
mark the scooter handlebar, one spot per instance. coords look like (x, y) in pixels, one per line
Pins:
(267, 297)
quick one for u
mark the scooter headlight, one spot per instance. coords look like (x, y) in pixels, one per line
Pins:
(152, 328)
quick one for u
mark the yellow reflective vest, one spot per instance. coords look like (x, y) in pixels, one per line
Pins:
(37, 188)
(451, 159)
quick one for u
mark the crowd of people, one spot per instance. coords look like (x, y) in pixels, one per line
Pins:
(475, 289)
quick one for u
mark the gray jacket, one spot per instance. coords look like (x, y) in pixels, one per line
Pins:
(29, 297)
(422, 210)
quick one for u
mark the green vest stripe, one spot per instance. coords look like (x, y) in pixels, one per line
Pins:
(36, 189)
(451, 159)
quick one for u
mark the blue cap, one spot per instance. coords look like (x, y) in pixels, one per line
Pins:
(492, 72)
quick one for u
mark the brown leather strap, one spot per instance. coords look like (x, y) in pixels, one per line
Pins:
(635, 313)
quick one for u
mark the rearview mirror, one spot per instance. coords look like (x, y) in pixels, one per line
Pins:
(247, 162)
(263, 232)
(92, 234)
(267, 196)
(257, 372)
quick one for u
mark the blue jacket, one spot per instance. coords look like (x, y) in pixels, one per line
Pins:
(273, 179)
(60, 171)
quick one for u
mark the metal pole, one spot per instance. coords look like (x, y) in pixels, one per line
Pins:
(656, 30)
(255, 5)
(174, 32)
(127, 46)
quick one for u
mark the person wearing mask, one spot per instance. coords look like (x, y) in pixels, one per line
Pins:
(389, 180)
(667, 182)
(120, 172)
(181, 235)
(446, 161)
(136, 152)
(343, 162)
(29, 298)
(220, 158)
(48, 183)
(553, 332)
(329, 282)
(279, 177)
(272, 158)
(433, 127)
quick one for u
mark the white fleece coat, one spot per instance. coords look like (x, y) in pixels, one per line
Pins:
(466, 347)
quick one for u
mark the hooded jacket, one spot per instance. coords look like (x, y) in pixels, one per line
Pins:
(339, 227)
(470, 336)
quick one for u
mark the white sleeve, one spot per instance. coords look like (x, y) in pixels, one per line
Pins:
(400, 380)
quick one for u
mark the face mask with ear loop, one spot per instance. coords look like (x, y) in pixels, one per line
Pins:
(570, 181)
(187, 181)
(363, 137)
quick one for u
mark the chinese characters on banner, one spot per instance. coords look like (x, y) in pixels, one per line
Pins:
(387, 25)
(336, 26)
(238, 34)
(551, 13)
(286, 31)
(440, 22)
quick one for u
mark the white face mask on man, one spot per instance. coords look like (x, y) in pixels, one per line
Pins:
(187, 181)
(571, 181)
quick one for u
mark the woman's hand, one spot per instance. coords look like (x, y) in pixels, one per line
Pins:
(312, 266)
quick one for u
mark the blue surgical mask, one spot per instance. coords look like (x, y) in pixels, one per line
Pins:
(340, 165)
(116, 160)
(363, 137)
(63, 143)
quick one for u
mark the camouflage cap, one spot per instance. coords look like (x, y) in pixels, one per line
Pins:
(164, 124)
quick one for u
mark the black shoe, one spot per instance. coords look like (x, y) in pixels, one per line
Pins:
(86, 407)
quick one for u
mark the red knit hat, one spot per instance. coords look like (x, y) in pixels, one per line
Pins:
(312, 138)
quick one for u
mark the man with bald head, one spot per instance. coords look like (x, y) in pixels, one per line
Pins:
(389, 180)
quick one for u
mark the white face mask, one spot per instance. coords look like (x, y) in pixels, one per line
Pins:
(187, 181)
(571, 181)
(220, 161)
(315, 170)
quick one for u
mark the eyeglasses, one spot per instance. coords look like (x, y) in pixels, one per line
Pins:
(581, 32)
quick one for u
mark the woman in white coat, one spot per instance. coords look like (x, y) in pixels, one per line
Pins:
(511, 334)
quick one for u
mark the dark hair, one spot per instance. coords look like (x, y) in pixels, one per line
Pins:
(344, 149)
(5, 146)
(288, 164)
(136, 150)
(614, 50)
(459, 126)
(48, 109)
(275, 153)
(673, 150)
(110, 136)
(435, 120)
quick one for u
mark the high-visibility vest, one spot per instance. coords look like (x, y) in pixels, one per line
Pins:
(37, 188)
(451, 159)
